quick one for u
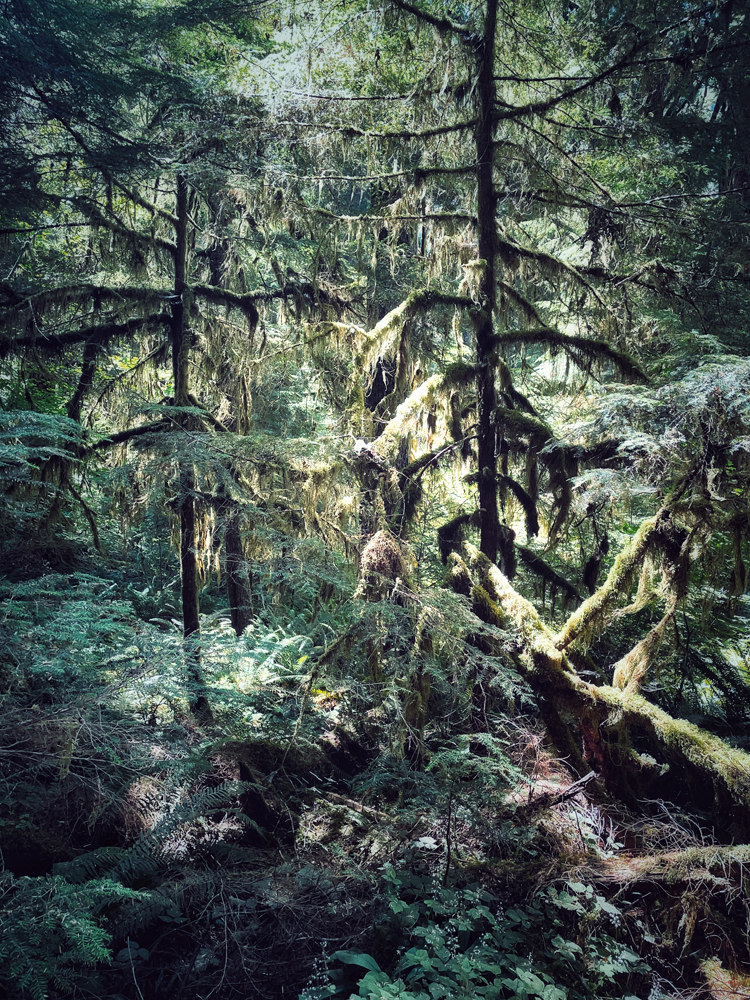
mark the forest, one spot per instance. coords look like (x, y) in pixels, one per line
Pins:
(375, 523)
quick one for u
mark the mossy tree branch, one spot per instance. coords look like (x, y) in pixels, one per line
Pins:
(592, 616)
(98, 335)
(582, 350)
(606, 714)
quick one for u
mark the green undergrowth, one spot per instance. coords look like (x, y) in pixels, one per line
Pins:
(349, 815)
(562, 943)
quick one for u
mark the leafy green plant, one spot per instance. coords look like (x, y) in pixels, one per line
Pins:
(50, 930)
(559, 945)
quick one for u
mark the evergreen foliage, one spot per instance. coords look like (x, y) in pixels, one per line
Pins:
(374, 435)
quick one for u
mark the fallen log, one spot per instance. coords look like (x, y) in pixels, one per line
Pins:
(591, 725)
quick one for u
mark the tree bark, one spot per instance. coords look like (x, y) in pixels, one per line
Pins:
(239, 591)
(238, 581)
(483, 316)
(197, 698)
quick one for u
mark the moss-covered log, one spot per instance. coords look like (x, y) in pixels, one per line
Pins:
(687, 760)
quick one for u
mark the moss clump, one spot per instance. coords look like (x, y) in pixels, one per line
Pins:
(458, 577)
(460, 373)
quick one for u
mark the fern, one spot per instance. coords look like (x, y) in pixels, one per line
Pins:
(49, 928)
(150, 853)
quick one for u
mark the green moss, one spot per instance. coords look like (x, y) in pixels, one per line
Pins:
(516, 425)
(591, 617)
(458, 577)
(460, 373)
(685, 742)
(485, 608)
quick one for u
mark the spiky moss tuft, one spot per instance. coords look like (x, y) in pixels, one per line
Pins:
(593, 614)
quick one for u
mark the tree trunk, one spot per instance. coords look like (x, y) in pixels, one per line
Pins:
(483, 317)
(188, 565)
(239, 589)
(238, 579)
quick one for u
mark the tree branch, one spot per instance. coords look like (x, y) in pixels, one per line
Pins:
(578, 348)
(441, 23)
(99, 335)
(122, 436)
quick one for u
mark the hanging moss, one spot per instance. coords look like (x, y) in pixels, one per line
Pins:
(433, 390)
(506, 384)
(529, 507)
(630, 671)
(507, 550)
(450, 535)
(523, 425)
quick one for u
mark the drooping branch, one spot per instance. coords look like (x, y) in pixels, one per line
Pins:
(99, 335)
(82, 294)
(351, 132)
(247, 301)
(526, 502)
(120, 437)
(517, 424)
(441, 23)
(98, 217)
(582, 350)
(542, 568)
(417, 173)
(372, 343)
(512, 251)
(540, 107)
(421, 217)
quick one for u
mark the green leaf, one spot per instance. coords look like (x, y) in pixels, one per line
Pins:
(357, 958)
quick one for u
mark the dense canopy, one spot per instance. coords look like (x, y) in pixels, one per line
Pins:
(375, 456)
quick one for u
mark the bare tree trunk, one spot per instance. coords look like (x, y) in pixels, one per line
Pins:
(483, 319)
(188, 564)
(238, 578)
